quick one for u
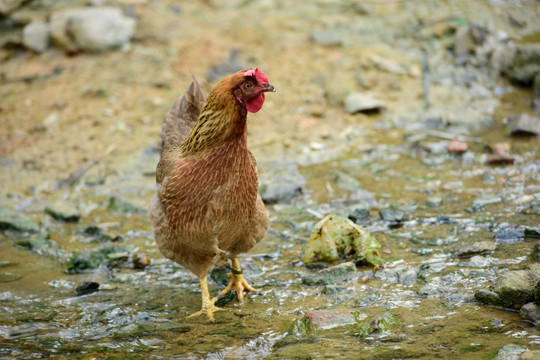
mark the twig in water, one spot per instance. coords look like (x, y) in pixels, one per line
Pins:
(77, 174)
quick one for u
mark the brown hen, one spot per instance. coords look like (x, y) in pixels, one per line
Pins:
(207, 205)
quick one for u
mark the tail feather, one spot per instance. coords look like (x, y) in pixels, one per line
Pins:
(181, 118)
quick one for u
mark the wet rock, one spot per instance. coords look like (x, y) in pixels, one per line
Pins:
(12, 220)
(328, 319)
(510, 352)
(87, 287)
(532, 232)
(524, 125)
(333, 289)
(433, 289)
(394, 217)
(509, 235)
(434, 201)
(388, 275)
(91, 29)
(63, 212)
(326, 38)
(335, 236)
(457, 147)
(501, 159)
(479, 247)
(511, 290)
(141, 260)
(487, 200)
(363, 102)
(363, 197)
(125, 206)
(377, 324)
(343, 272)
(357, 213)
(36, 36)
(92, 259)
(476, 209)
(281, 186)
(529, 312)
(34, 242)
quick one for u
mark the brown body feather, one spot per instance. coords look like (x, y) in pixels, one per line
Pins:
(207, 203)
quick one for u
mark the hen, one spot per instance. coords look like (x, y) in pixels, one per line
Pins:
(207, 205)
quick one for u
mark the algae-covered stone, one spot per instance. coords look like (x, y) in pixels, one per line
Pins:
(342, 272)
(377, 324)
(334, 236)
(511, 290)
(529, 312)
(125, 206)
(90, 260)
(12, 220)
(63, 212)
(510, 352)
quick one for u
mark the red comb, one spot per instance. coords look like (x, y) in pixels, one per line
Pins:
(259, 75)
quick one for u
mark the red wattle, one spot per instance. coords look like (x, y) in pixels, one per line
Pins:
(255, 104)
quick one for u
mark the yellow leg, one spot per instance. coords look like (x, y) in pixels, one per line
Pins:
(237, 283)
(208, 306)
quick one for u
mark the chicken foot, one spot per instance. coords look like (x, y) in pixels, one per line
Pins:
(208, 306)
(237, 283)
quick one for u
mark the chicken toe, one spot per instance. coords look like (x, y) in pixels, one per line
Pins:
(237, 283)
(208, 306)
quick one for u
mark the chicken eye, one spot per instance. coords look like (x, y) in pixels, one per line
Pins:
(248, 86)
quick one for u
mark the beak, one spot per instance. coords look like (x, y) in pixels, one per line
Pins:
(269, 87)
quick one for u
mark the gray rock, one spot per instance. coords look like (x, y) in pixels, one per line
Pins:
(281, 185)
(326, 38)
(342, 272)
(333, 289)
(479, 247)
(525, 125)
(529, 312)
(12, 220)
(36, 36)
(487, 200)
(488, 177)
(434, 201)
(63, 211)
(363, 198)
(394, 217)
(362, 102)
(511, 290)
(7, 6)
(509, 235)
(91, 29)
(510, 352)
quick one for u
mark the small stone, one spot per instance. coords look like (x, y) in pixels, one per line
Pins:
(346, 181)
(36, 36)
(475, 209)
(9, 277)
(358, 214)
(434, 201)
(512, 290)
(63, 212)
(529, 312)
(333, 289)
(479, 247)
(457, 147)
(488, 177)
(394, 217)
(509, 236)
(281, 185)
(141, 260)
(87, 287)
(530, 355)
(525, 125)
(12, 220)
(501, 159)
(377, 324)
(487, 200)
(509, 352)
(362, 102)
(342, 272)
